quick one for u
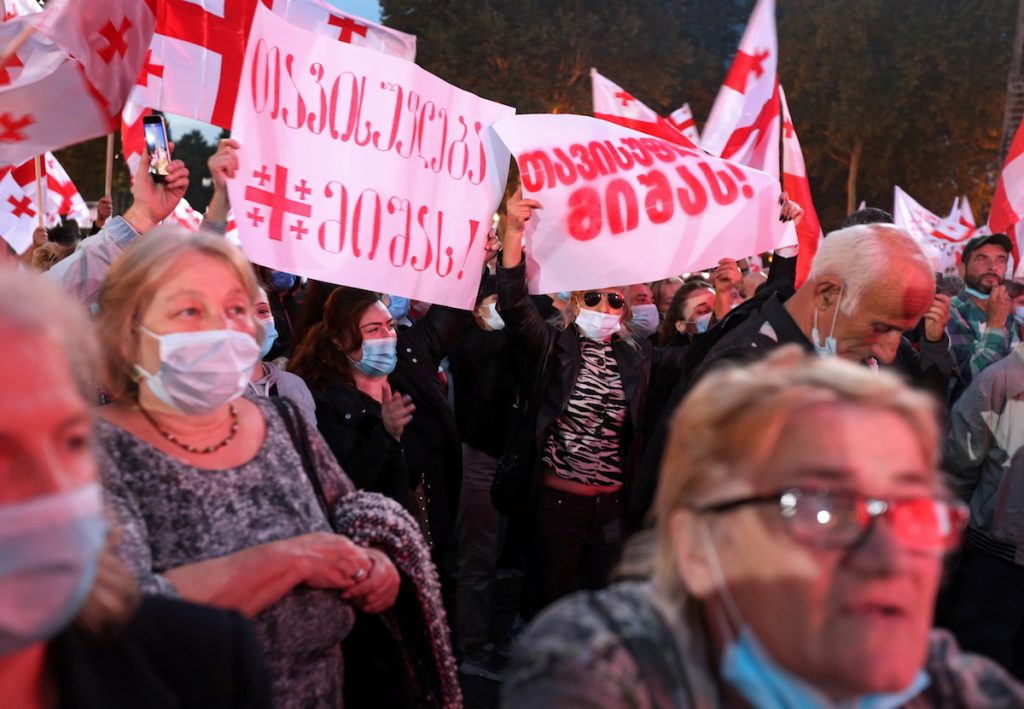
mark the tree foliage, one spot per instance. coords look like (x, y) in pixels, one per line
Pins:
(918, 84)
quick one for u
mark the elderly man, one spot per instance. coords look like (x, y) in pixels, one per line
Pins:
(978, 325)
(985, 464)
(868, 285)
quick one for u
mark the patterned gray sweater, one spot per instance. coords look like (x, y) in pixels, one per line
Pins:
(171, 514)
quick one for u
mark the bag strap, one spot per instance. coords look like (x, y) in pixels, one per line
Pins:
(289, 414)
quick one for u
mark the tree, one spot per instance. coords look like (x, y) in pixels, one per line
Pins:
(193, 150)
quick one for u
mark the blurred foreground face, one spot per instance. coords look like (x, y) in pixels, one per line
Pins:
(851, 621)
(44, 423)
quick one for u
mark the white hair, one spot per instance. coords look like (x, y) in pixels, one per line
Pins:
(860, 256)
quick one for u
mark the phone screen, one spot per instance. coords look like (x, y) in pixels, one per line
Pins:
(156, 142)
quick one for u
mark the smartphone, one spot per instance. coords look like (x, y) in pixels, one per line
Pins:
(159, 149)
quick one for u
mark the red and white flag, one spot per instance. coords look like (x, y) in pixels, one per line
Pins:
(796, 184)
(108, 37)
(133, 136)
(683, 121)
(60, 196)
(1008, 202)
(615, 104)
(18, 8)
(185, 216)
(943, 238)
(17, 214)
(45, 100)
(194, 64)
(744, 122)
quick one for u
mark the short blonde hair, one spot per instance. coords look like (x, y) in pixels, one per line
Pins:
(133, 281)
(732, 420)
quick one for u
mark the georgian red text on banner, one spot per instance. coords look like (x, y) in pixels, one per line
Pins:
(363, 169)
(621, 207)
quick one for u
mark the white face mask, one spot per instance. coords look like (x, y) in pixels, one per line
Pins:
(201, 371)
(645, 319)
(598, 326)
(492, 319)
(829, 349)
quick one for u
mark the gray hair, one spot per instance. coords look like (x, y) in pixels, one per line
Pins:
(33, 305)
(861, 256)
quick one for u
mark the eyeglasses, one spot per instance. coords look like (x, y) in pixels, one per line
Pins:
(593, 298)
(843, 520)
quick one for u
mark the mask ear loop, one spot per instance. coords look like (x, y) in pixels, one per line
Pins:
(835, 315)
(731, 612)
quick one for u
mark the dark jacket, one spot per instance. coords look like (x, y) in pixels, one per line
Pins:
(483, 373)
(171, 654)
(552, 362)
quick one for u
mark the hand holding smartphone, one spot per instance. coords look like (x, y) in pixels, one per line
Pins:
(158, 146)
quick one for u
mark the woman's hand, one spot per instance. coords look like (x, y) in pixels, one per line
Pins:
(329, 561)
(379, 589)
(518, 212)
(154, 201)
(396, 410)
(791, 211)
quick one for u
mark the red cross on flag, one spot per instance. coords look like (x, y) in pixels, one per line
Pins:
(744, 122)
(194, 63)
(133, 137)
(613, 103)
(18, 8)
(17, 214)
(108, 37)
(796, 184)
(683, 121)
(47, 103)
(60, 196)
(1008, 202)
(943, 238)
(184, 215)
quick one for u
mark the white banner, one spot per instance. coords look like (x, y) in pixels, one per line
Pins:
(621, 207)
(362, 169)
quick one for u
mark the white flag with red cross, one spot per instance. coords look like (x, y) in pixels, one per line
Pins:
(943, 238)
(60, 196)
(18, 8)
(108, 37)
(46, 102)
(683, 121)
(1008, 201)
(796, 184)
(193, 66)
(615, 104)
(133, 136)
(18, 216)
(184, 215)
(744, 121)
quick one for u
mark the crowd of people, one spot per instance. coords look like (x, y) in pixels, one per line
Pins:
(226, 485)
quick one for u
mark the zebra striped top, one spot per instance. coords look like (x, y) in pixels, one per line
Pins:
(584, 443)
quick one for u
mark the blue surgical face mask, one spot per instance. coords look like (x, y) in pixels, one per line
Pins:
(564, 295)
(1018, 314)
(398, 306)
(830, 348)
(379, 357)
(702, 322)
(976, 293)
(493, 319)
(49, 553)
(645, 319)
(747, 666)
(282, 282)
(269, 336)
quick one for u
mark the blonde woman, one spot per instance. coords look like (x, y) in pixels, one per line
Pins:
(801, 525)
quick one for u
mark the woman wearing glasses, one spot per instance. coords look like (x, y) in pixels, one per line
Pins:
(585, 389)
(801, 528)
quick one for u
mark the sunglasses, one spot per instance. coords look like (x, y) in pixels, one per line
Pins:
(593, 298)
(843, 520)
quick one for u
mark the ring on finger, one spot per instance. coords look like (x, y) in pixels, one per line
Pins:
(359, 575)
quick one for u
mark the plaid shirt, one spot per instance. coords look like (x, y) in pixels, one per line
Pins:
(975, 345)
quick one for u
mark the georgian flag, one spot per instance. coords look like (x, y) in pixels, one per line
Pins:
(60, 196)
(18, 216)
(615, 104)
(18, 8)
(683, 121)
(744, 121)
(1008, 202)
(796, 184)
(943, 238)
(194, 63)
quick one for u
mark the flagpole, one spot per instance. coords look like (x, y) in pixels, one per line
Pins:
(39, 190)
(109, 174)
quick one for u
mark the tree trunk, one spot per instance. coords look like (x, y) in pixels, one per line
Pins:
(851, 177)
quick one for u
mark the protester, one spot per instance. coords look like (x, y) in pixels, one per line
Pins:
(985, 464)
(664, 290)
(751, 281)
(801, 525)
(74, 631)
(267, 378)
(645, 318)
(232, 501)
(590, 378)
(978, 327)
(485, 370)
(689, 314)
(283, 290)
(104, 211)
(49, 255)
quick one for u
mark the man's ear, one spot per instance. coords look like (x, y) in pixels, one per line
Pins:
(961, 268)
(689, 547)
(826, 292)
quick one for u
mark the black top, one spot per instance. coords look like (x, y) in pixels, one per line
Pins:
(171, 654)
(485, 381)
